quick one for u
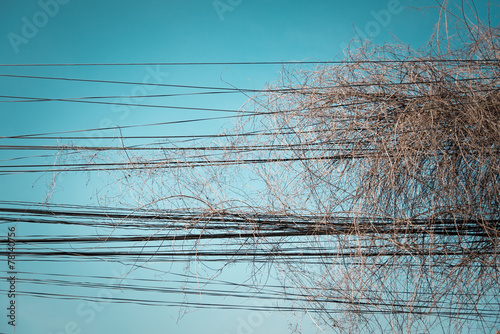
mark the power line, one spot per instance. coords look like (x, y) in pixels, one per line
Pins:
(288, 62)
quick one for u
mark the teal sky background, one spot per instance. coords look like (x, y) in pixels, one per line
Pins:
(125, 31)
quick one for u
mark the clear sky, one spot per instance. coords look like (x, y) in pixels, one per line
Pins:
(126, 31)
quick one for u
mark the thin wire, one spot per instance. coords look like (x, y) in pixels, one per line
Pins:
(288, 62)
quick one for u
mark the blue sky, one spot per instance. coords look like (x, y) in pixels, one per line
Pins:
(76, 31)
(112, 31)
(172, 31)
